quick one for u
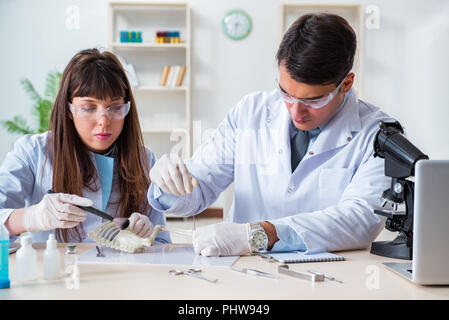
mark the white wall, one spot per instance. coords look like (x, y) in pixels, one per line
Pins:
(405, 60)
(34, 40)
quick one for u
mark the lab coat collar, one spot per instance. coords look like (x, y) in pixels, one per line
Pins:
(341, 128)
(338, 131)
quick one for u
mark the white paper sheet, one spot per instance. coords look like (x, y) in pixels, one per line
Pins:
(158, 254)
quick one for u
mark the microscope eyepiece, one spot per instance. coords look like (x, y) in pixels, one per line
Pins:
(399, 153)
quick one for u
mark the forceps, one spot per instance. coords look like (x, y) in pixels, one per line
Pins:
(99, 252)
(192, 272)
(283, 268)
(329, 277)
(254, 272)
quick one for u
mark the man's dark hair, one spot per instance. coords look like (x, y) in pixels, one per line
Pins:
(318, 49)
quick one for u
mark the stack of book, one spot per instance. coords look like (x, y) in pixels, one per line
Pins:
(172, 76)
(168, 37)
(130, 36)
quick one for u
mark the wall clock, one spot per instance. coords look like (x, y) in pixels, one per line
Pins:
(236, 24)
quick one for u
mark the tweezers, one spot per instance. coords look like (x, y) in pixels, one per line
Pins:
(254, 272)
(283, 268)
(100, 252)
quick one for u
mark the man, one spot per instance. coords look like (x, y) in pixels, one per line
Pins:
(301, 157)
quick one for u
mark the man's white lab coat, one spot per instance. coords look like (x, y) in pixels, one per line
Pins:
(327, 202)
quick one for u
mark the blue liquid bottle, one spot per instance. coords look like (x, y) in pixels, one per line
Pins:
(4, 257)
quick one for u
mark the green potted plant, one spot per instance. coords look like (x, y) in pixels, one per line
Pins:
(42, 106)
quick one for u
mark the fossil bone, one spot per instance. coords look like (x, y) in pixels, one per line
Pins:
(109, 235)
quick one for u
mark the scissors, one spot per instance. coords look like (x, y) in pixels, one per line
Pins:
(192, 272)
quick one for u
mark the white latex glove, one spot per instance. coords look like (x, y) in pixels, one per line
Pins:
(141, 225)
(221, 239)
(56, 210)
(171, 175)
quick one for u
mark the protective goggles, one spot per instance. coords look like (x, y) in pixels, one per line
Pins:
(312, 103)
(93, 112)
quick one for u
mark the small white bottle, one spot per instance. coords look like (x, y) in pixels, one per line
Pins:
(52, 259)
(26, 261)
(72, 273)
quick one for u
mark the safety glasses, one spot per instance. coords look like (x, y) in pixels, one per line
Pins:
(312, 103)
(93, 112)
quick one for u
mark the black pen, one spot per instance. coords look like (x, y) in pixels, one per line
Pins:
(122, 223)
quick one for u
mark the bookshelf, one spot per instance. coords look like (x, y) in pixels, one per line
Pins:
(164, 111)
(352, 13)
(119, 45)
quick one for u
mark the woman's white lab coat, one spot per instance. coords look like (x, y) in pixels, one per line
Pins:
(26, 176)
(329, 199)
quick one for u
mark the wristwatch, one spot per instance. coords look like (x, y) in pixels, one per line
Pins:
(258, 239)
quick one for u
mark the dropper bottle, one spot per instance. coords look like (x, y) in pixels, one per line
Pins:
(26, 260)
(52, 259)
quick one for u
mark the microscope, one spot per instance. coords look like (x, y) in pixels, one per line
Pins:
(400, 159)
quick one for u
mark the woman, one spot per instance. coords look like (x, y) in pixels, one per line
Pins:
(93, 155)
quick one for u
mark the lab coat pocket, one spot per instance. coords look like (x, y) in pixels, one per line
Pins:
(332, 183)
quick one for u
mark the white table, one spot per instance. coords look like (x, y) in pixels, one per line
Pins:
(363, 275)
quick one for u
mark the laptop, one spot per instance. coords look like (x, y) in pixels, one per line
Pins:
(430, 264)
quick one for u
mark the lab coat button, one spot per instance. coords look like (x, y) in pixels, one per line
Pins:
(349, 139)
(268, 120)
(280, 151)
(290, 190)
(311, 153)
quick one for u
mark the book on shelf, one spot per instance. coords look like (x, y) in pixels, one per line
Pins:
(180, 77)
(172, 76)
(171, 82)
(164, 75)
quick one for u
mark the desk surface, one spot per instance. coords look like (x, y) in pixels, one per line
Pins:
(363, 275)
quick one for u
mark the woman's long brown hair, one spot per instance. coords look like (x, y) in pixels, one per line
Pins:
(101, 76)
